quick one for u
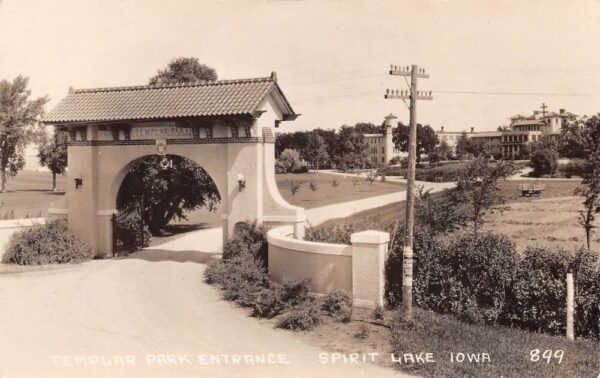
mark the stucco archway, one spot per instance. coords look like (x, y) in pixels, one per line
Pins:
(225, 127)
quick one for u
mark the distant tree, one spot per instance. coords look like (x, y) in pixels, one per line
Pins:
(503, 128)
(184, 70)
(426, 139)
(330, 138)
(316, 150)
(466, 146)
(52, 152)
(590, 190)
(351, 149)
(288, 161)
(19, 118)
(297, 141)
(476, 193)
(367, 128)
(544, 161)
(441, 152)
(571, 140)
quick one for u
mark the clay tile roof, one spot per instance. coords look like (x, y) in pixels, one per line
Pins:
(200, 99)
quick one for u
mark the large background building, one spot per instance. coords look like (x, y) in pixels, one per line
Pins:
(381, 146)
(522, 131)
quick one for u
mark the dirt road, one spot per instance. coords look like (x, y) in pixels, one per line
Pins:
(76, 320)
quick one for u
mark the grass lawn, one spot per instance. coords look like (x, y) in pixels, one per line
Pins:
(348, 189)
(29, 193)
(549, 220)
(509, 350)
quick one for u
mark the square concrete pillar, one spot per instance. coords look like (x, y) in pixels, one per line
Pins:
(369, 249)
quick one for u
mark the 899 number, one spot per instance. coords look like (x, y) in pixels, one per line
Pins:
(536, 355)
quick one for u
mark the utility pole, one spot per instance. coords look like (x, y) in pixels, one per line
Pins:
(407, 254)
(543, 108)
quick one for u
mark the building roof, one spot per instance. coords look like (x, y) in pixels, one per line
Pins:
(149, 102)
(528, 122)
(373, 135)
(487, 134)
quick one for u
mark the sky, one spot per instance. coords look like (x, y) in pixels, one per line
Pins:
(488, 60)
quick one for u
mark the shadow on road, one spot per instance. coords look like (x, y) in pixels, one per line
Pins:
(158, 255)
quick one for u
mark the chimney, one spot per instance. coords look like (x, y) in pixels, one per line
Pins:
(442, 129)
(562, 111)
(472, 129)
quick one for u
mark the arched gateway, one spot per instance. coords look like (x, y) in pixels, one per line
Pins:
(226, 127)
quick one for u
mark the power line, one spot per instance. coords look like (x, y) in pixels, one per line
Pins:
(502, 93)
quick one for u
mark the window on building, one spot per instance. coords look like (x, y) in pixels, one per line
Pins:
(383, 150)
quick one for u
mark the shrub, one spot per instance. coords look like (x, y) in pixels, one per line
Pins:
(467, 275)
(539, 294)
(268, 302)
(340, 234)
(295, 293)
(51, 243)
(544, 162)
(248, 238)
(289, 161)
(338, 305)
(302, 318)
(573, 168)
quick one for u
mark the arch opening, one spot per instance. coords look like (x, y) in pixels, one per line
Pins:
(158, 195)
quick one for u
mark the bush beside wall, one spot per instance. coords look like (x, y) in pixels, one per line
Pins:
(51, 243)
(482, 279)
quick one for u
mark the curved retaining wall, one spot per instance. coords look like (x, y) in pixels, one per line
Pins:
(357, 269)
(328, 266)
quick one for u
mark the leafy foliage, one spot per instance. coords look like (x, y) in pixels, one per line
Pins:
(476, 193)
(52, 153)
(351, 150)
(167, 193)
(51, 243)
(544, 162)
(590, 191)
(338, 305)
(184, 70)
(289, 161)
(316, 150)
(426, 139)
(302, 318)
(19, 117)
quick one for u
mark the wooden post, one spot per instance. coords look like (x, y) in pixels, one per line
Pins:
(570, 305)
(407, 258)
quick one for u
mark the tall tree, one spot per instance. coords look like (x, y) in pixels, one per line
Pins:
(19, 117)
(426, 139)
(476, 193)
(184, 70)
(590, 191)
(351, 149)
(316, 150)
(571, 140)
(52, 152)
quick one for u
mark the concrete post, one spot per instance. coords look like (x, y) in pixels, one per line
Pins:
(570, 307)
(369, 249)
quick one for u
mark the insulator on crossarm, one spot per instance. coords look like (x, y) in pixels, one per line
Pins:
(387, 91)
(391, 67)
